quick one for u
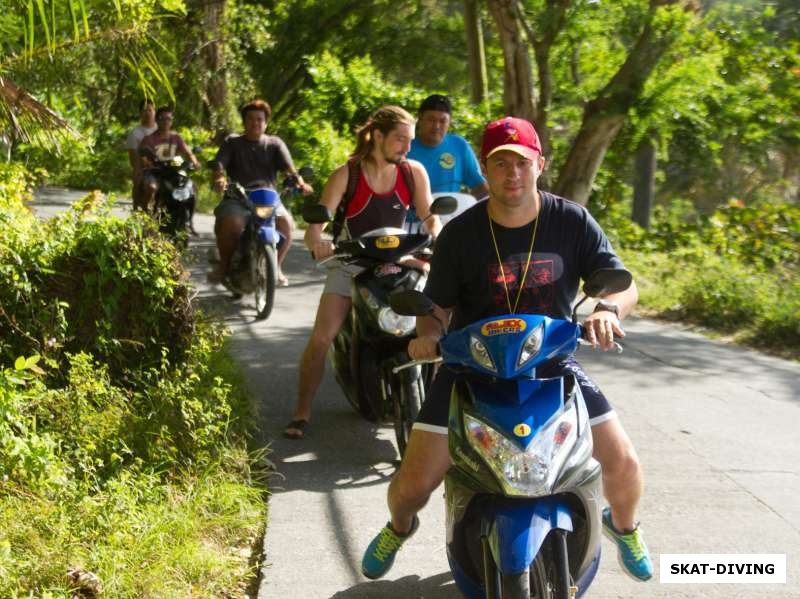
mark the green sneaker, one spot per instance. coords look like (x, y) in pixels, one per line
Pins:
(633, 553)
(379, 556)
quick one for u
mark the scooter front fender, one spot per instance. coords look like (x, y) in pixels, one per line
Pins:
(269, 235)
(516, 529)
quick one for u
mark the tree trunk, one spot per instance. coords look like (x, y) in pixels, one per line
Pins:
(519, 93)
(604, 116)
(479, 89)
(214, 58)
(587, 153)
(644, 181)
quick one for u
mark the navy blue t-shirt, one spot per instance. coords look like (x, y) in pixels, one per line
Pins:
(465, 274)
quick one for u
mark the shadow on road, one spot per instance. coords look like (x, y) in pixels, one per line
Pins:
(433, 587)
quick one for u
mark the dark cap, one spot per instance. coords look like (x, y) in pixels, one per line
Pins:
(436, 102)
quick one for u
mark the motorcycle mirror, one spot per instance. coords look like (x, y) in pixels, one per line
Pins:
(306, 172)
(607, 280)
(411, 303)
(602, 282)
(444, 205)
(316, 214)
(197, 150)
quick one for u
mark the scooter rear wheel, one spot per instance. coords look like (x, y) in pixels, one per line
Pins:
(265, 276)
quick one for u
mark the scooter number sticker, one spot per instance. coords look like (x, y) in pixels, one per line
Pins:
(504, 326)
(387, 242)
(522, 430)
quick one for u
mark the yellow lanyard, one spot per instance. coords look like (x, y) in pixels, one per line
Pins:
(502, 270)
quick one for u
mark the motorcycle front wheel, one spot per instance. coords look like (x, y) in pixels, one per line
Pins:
(532, 583)
(407, 401)
(265, 277)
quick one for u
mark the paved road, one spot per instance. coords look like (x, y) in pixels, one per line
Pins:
(715, 427)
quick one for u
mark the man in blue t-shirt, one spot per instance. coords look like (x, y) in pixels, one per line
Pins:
(448, 158)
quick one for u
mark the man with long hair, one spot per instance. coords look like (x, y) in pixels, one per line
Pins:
(384, 186)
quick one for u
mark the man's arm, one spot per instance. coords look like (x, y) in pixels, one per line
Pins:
(429, 331)
(219, 179)
(422, 198)
(184, 151)
(304, 187)
(332, 194)
(602, 326)
(133, 158)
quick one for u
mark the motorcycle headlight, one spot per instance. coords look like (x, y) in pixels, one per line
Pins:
(395, 324)
(532, 471)
(181, 193)
(264, 211)
(532, 345)
(480, 354)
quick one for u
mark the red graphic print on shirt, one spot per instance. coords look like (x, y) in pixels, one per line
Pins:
(538, 293)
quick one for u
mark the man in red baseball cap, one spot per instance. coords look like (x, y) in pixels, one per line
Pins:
(524, 251)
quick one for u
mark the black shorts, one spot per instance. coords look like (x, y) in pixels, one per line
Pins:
(434, 413)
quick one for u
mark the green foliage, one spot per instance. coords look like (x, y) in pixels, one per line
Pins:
(122, 434)
(99, 160)
(735, 270)
(87, 281)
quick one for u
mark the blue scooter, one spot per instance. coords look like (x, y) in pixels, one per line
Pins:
(523, 497)
(254, 264)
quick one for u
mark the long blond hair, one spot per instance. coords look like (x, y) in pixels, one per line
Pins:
(385, 119)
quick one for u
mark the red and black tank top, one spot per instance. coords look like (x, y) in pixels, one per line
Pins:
(368, 210)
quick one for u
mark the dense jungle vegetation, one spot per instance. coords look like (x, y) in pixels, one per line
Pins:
(123, 424)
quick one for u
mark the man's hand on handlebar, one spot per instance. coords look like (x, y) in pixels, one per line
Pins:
(600, 328)
(321, 249)
(424, 348)
(305, 188)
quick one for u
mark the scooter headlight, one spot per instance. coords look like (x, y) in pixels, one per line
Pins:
(181, 193)
(532, 345)
(480, 354)
(532, 471)
(395, 324)
(264, 211)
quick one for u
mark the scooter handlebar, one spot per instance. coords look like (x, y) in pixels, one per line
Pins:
(413, 363)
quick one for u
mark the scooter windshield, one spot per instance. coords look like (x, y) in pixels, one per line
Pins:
(510, 346)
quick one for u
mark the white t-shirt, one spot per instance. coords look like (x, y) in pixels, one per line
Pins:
(135, 137)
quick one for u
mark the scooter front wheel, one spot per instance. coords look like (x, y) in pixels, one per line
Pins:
(407, 403)
(265, 277)
(531, 583)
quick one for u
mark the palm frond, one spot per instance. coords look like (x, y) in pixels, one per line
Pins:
(23, 118)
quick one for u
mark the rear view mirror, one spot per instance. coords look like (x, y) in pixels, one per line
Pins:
(444, 205)
(306, 172)
(316, 214)
(605, 281)
(411, 303)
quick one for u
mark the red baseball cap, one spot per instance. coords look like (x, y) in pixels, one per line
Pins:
(511, 133)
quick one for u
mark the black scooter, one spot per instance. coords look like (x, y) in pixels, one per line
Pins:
(176, 196)
(374, 338)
